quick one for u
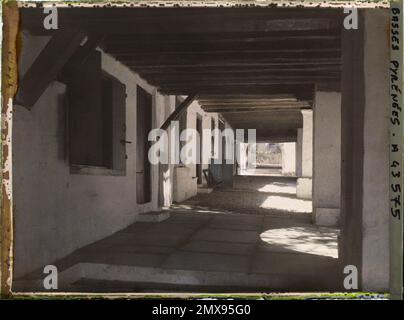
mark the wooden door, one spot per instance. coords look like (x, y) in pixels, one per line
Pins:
(144, 125)
(199, 148)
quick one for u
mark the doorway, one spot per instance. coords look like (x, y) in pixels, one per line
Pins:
(144, 125)
(199, 156)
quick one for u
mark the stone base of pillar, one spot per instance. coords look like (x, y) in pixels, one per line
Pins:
(328, 217)
(304, 188)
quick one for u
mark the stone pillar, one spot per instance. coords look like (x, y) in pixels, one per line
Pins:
(299, 152)
(242, 149)
(327, 158)
(304, 184)
(364, 239)
(375, 217)
(288, 158)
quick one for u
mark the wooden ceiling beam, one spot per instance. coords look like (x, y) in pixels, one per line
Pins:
(174, 78)
(301, 91)
(179, 111)
(201, 47)
(244, 103)
(236, 63)
(47, 66)
(240, 70)
(192, 57)
(227, 37)
(247, 110)
(166, 26)
(245, 97)
(239, 82)
(138, 21)
(257, 104)
(105, 13)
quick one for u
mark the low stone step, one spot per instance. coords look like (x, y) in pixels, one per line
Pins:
(192, 279)
(155, 216)
(204, 189)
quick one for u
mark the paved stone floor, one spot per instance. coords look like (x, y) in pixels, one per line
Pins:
(208, 242)
(266, 195)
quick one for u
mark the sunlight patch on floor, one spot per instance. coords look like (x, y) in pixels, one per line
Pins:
(311, 240)
(274, 188)
(287, 204)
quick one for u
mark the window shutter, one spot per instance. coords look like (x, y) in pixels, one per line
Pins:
(84, 112)
(118, 125)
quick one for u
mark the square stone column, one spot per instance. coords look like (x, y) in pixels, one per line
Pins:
(288, 158)
(327, 158)
(365, 213)
(299, 152)
(304, 183)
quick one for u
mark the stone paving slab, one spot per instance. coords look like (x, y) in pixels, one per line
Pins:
(238, 236)
(293, 264)
(234, 227)
(126, 259)
(206, 262)
(219, 247)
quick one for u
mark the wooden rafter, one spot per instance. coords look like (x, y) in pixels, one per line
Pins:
(179, 111)
(47, 65)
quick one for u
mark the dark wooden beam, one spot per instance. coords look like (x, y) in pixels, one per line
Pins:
(83, 52)
(246, 97)
(240, 79)
(239, 70)
(162, 47)
(301, 91)
(259, 103)
(178, 111)
(192, 57)
(248, 110)
(238, 64)
(174, 76)
(227, 37)
(232, 85)
(47, 66)
(138, 21)
(283, 135)
(248, 103)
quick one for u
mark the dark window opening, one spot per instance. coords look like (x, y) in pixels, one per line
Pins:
(96, 112)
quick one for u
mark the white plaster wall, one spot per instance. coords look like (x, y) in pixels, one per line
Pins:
(185, 185)
(307, 144)
(375, 255)
(57, 212)
(288, 158)
(166, 183)
(243, 155)
(299, 152)
(327, 158)
(185, 182)
(304, 186)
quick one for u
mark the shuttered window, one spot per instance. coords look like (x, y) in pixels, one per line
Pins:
(96, 112)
